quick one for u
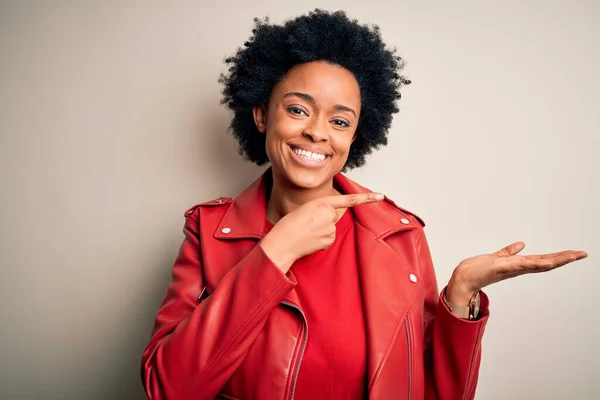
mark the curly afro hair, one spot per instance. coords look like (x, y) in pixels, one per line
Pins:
(273, 50)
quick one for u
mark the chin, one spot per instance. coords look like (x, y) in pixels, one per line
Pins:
(306, 178)
(308, 182)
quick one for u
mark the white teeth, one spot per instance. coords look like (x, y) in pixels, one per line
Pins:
(309, 155)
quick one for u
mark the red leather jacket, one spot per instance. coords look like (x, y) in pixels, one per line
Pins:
(231, 325)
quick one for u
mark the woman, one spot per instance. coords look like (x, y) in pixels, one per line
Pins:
(307, 285)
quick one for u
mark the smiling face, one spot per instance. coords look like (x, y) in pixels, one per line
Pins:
(310, 123)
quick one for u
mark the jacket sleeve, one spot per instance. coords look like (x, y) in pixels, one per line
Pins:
(195, 346)
(452, 345)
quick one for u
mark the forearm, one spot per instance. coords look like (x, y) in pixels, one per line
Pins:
(456, 352)
(196, 357)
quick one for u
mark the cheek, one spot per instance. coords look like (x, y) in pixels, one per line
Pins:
(271, 145)
(279, 134)
(343, 143)
(285, 128)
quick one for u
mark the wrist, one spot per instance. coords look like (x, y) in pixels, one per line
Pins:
(469, 312)
(457, 293)
(461, 300)
(278, 255)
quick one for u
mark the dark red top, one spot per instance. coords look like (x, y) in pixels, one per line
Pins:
(334, 365)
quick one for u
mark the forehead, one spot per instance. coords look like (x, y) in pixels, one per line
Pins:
(324, 81)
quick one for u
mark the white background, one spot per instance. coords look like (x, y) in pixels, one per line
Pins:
(110, 128)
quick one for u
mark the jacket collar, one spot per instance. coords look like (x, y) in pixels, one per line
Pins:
(246, 216)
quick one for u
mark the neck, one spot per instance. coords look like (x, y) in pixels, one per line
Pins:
(285, 197)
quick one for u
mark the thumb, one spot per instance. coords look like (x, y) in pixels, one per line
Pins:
(510, 250)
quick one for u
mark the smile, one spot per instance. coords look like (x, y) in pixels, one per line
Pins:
(310, 156)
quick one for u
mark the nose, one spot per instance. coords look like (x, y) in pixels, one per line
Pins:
(315, 132)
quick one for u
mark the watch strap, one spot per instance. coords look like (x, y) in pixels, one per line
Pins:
(469, 312)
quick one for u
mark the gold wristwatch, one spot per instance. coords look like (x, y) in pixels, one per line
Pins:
(469, 312)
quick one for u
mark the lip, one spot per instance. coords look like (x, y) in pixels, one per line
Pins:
(306, 162)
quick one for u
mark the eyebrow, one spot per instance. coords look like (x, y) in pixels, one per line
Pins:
(311, 99)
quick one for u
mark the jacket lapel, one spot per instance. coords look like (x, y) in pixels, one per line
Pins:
(386, 288)
(386, 297)
(246, 219)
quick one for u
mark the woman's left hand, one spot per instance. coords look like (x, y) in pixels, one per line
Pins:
(475, 273)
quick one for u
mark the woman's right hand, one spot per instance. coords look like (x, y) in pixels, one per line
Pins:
(309, 228)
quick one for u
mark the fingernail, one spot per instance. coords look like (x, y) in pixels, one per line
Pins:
(379, 196)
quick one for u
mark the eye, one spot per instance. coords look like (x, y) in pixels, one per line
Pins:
(341, 123)
(297, 110)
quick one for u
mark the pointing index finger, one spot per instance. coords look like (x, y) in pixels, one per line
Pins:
(351, 200)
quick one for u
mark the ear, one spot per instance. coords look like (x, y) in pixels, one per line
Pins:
(260, 117)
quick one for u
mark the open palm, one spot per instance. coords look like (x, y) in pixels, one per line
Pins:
(475, 273)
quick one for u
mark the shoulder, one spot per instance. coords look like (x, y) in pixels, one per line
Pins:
(215, 203)
(349, 186)
(411, 216)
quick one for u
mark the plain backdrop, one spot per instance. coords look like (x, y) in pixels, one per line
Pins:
(111, 128)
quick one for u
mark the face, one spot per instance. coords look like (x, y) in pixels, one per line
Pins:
(310, 123)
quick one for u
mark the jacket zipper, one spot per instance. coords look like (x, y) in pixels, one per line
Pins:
(302, 349)
(409, 345)
(201, 297)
